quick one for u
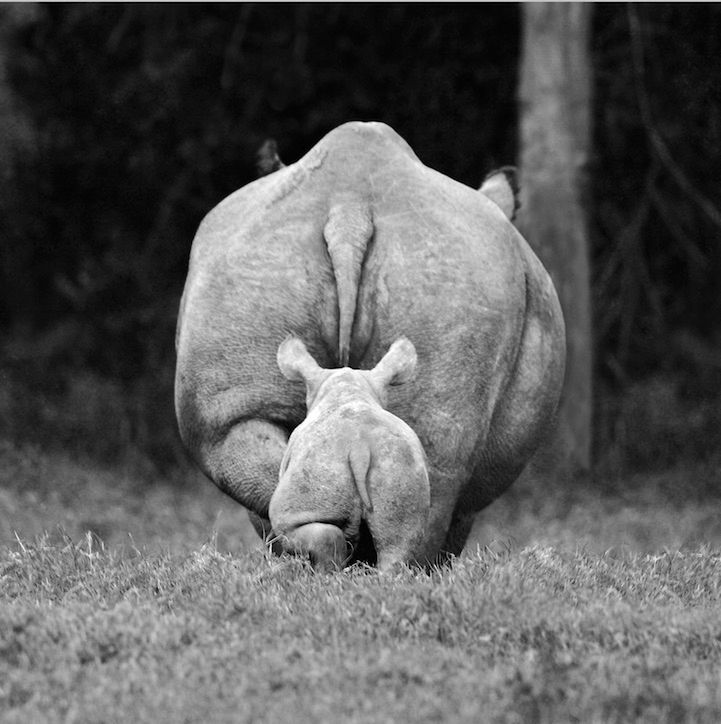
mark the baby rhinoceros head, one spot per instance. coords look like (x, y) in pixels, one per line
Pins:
(351, 462)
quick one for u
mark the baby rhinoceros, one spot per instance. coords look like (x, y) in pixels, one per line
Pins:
(351, 461)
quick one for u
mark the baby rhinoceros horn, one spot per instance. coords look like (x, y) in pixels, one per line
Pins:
(351, 461)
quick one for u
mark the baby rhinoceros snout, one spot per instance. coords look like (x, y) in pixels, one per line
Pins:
(351, 460)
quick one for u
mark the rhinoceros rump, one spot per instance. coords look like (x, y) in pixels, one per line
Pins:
(351, 462)
(353, 246)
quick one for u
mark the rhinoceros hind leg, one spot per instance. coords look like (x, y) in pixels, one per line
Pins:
(245, 465)
(529, 402)
(458, 532)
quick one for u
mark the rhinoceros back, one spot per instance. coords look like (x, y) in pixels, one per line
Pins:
(272, 259)
(352, 246)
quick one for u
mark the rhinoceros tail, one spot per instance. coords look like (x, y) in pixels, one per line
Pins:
(359, 458)
(347, 232)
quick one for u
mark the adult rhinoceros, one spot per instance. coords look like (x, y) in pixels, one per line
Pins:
(350, 248)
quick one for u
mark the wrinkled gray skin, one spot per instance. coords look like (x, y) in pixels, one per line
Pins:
(350, 461)
(353, 246)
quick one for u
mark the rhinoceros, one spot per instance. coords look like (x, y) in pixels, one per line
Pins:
(348, 249)
(351, 462)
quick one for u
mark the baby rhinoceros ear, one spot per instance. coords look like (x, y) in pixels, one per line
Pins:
(296, 363)
(398, 364)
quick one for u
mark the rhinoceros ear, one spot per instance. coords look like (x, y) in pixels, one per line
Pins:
(501, 187)
(398, 364)
(296, 363)
(267, 160)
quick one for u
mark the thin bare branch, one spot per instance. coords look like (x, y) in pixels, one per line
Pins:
(659, 145)
(234, 48)
(685, 242)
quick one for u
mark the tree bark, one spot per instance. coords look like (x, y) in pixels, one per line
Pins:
(555, 135)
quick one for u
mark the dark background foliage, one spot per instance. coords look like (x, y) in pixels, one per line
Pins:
(144, 116)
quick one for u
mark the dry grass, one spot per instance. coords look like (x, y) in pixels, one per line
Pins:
(535, 635)
(677, 509)
(595, 603)
(41, 492)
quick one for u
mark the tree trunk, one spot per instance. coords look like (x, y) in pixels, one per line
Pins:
(555, 133)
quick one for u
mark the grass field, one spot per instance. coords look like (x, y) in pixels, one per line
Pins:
(130, 599)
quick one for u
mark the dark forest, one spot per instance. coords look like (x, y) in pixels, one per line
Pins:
(125, 124)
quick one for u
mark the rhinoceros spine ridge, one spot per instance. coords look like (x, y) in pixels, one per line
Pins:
(347, 232)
